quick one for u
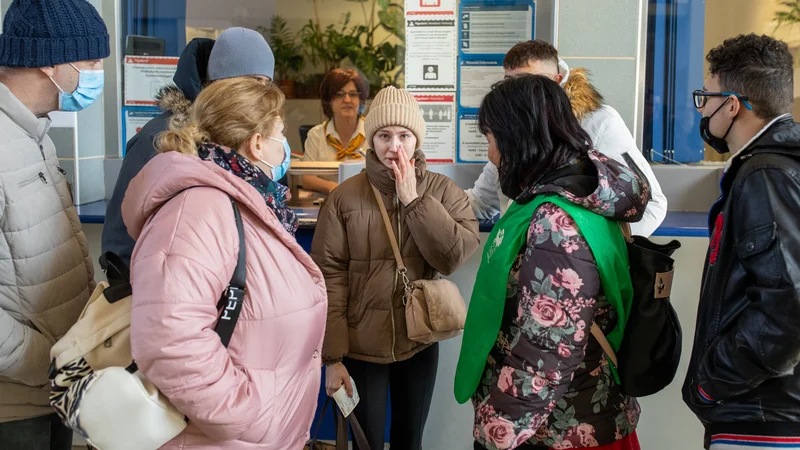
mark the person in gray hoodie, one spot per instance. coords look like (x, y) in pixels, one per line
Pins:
(238, 52)
(51, 59)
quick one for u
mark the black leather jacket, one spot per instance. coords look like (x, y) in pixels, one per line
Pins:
(747, 341)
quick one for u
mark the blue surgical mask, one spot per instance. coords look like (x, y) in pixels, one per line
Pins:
(90, 86)
(279, 171)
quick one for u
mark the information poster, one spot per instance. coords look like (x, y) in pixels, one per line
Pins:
(476, 80)
(145, 76)
(494, 29)
(439, 112)
(133, 120)
(472, 144)
(417, 7)
(431, 56)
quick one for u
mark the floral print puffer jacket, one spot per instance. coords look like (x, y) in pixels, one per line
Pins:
(546, 380)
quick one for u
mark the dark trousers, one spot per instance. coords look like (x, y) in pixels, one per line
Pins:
(39, 433)
(411, 385)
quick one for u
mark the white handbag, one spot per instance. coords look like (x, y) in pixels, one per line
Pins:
(96, 388)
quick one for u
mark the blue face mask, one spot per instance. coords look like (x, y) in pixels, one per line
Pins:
(90, 86)
(279, 171)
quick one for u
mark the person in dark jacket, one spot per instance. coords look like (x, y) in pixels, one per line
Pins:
(239, 52)
(743, 381)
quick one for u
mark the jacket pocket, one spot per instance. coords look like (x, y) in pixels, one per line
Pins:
(756, 248)
(32, 179)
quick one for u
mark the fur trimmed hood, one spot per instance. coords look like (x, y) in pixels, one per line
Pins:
(171, 99)
(582, 94)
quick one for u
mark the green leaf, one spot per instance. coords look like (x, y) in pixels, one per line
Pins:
(559, 425)
(562, 403)
(559, 415)
(547, 284)
(569, 414)
(539, 273)
(574, 423)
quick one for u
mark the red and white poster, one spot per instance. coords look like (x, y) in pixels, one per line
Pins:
(145, 76)
(437, 7)
(439, 112)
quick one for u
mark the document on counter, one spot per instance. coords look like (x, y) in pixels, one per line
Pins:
(477, 78)
(494, 29)
(439, 112)
(431, 55)
(472, 144)
(346, 403)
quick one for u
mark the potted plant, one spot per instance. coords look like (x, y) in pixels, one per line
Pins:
(381, 62)
(288, 54)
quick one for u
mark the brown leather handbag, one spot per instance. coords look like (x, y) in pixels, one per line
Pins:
(435, 310)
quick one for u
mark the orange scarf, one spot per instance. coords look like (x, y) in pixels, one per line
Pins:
(343, 152)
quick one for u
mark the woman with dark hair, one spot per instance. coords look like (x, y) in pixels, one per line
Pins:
(344, 94)
(537, 377)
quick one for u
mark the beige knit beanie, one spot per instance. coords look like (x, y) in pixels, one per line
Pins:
(394, 107)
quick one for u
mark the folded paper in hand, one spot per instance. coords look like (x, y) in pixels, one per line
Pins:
(346, 403)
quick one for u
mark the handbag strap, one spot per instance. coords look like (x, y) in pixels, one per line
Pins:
(233, 298)
(604, 344)
(388, 224)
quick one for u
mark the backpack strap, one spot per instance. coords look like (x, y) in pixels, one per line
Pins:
(233, 298)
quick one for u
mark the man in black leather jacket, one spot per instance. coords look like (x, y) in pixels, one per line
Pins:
(743, 382)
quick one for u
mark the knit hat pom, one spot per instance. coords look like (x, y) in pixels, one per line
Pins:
(394, 107)
(41, 33)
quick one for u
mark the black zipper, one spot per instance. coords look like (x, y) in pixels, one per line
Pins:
(39, 176)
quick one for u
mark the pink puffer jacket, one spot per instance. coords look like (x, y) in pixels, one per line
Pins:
(260, 392)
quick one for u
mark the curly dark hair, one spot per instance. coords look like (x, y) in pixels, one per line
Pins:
(759, 67)
(522, 53)
(535, 130)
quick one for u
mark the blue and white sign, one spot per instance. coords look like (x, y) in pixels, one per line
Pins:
(476, 77)
(133, 119)
(472, 144)
(490, 28)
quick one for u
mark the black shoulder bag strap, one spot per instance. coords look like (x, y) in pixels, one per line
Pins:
(230, 304)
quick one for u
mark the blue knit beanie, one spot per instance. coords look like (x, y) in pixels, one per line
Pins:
(40, 33)
(240, 52)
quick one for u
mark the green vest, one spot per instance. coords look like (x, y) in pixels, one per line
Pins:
(508, 237)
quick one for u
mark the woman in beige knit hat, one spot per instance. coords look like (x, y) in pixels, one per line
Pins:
(436, 230)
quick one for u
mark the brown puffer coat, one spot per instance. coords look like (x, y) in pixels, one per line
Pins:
(437, 233)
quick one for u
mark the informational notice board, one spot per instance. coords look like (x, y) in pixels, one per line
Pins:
(145, 76)
(439, 112)
(133, 119)
(454, 54)
(486, 31)
(431, 72)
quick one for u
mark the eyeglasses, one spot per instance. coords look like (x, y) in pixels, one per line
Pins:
(352, 94)
(700, 98)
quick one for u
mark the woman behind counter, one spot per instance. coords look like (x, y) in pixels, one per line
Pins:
(344, 93)
(366, 335)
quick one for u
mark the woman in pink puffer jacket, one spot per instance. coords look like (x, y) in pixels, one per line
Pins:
(261, 391)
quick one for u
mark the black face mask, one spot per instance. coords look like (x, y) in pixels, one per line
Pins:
(716, 143)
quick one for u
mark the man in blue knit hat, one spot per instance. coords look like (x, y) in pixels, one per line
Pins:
(51, 54)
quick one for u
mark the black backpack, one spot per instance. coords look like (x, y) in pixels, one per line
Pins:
(650, 351)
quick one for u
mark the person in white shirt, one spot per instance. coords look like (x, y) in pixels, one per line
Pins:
(344, 93)
(610, 136)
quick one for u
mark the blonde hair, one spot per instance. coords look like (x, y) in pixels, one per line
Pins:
(228, 112)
